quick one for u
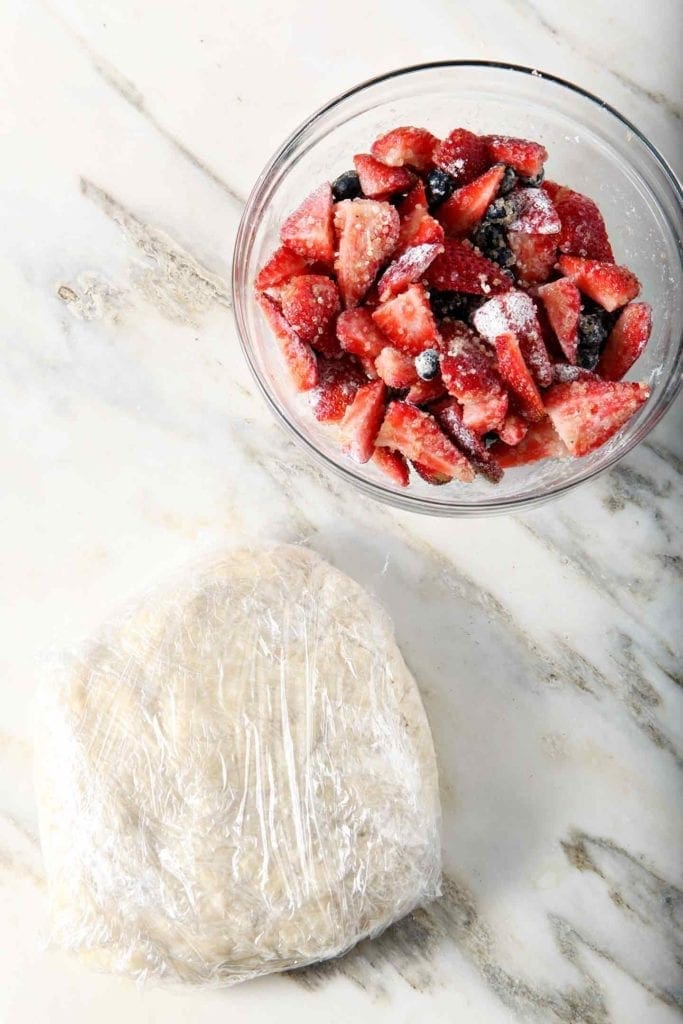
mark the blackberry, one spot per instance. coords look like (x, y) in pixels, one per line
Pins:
(451, 305)
(427, 364)
(346, 186)
(593, 333)
(508, 182)
(501, 211)
(534, 181)
(439, 185)
(491, 240)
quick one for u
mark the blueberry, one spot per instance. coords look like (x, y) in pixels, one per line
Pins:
(534, 181)
(397, 198)
(451, 305)
(491, 239)
(439, 185)
(502, 211)
(508, 182)
(593, 333)
(346, 186)
(427, 364)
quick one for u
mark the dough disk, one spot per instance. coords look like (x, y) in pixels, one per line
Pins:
(236, 776)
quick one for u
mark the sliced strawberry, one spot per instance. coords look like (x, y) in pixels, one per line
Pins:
(535, 256)
(516, 375)
(607, 284)
(367, 232)
(411, 210)
(463, 155)
(426, 391)
(583, 230)
(588, 412)
(429, 232)
(377, 180)
(309, 302)
(327, 343)
(626, 341)
(416, 434)
(436, 479)
(396, 369)
(339, 380)
(359, 334)
(412, 146)
(525, 157)
(516, 312)
(540, 442)
(562, 302)
(514, 428)
(282, 265)
(468, 204)
(362, 421)
(534, 212)
(408, 321)
(393, 464)
(299, 357)
(408, 268)
(460, 269)
(565, 373)
(448, 414)
(469, 373)
(308, 231)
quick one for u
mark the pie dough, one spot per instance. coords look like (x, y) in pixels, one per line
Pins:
(236, 777)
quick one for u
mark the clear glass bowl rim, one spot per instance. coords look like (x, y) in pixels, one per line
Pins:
(406, 501)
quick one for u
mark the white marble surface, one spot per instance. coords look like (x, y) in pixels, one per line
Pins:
(133, 439)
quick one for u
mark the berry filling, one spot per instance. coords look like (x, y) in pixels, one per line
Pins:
(449, 313)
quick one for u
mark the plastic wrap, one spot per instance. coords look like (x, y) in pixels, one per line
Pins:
(236, 777)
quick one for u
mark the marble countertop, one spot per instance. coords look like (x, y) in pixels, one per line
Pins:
(133, 439)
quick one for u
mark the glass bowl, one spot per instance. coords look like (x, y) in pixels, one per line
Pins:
(592, 149)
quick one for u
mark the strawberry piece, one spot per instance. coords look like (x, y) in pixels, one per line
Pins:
(411, 210)
(562, 302)
(408, 268)
(448, 414)
(534, 212)
(379, 181)
(515, 374)
(359, 334)
(564, 373)
(417, 435)
(299, 357)
(282, 265)
(540, 442)
(436, 479)
(308, 231)
(412, 146)
(606, 283)
(587, 413)
(327, 343)
(583, 231)
(392, 464)
(463, 155)
(515, 311)
(408, 321)
(535, 256)
(460, 269)
(626, 341)
(367, 232)
(308, 303)
(429, 232)
(469, 373)
(396, 369)
(468, 204)
(339, 380)
(362, 421)
(525, 157)
(426, 391)
(514, 428)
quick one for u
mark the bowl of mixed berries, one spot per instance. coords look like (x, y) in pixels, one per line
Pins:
(459, 287)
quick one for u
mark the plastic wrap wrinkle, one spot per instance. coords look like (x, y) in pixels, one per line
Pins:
(236, 777)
